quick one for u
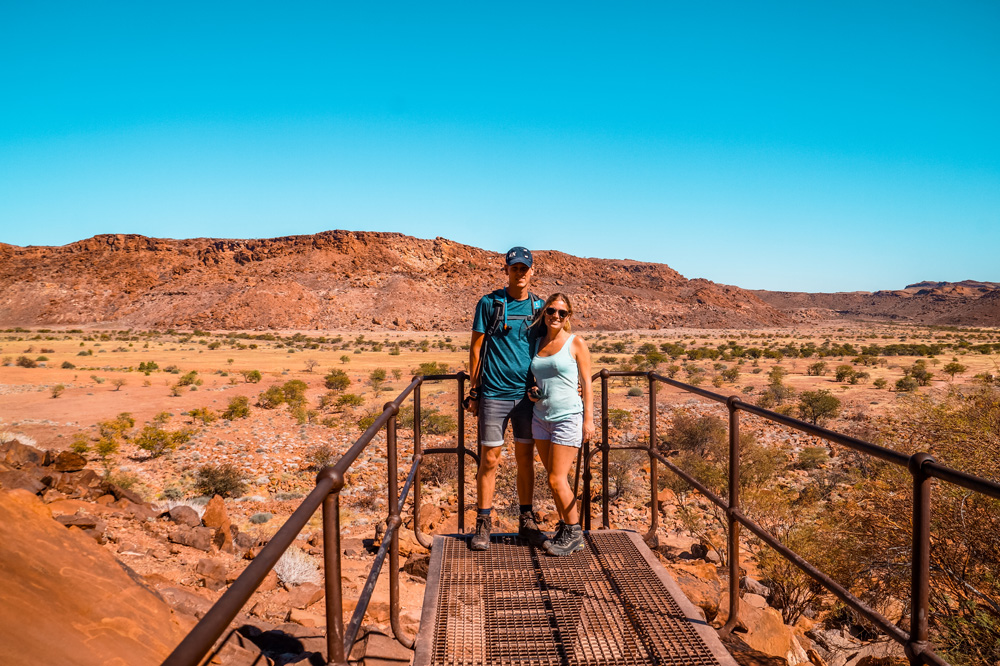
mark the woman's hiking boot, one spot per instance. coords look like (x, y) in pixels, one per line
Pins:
(569, 540)
(560, 526)
(481, 539)
(528, 530)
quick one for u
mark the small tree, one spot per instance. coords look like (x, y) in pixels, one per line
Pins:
(294, 392)
(311, 364)
(118, 382)
(155, 440)
(844, 373)
(345, 359)
(816, 369)
(271, 398)
(239, 408)
(954, 368)
(223, 480)
(251, 376)
(57, 390)
(376, 378)
(818, 406)
(337, 380)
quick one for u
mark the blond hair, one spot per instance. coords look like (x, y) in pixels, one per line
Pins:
(558, 296)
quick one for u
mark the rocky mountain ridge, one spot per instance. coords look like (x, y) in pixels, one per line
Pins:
(378, 280)
(337, 279)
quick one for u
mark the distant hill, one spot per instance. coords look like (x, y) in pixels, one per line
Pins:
(966, 303)
(337, 279)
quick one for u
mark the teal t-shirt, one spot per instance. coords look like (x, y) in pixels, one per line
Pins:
(507, 357)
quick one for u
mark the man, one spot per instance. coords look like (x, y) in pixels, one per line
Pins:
(499, 359)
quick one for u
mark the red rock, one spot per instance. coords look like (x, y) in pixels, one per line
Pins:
(194, 537)
(304, 595)
(185, 515)
(70, 461)
(306, 619)
(215, 517)
(66, 600)
(16, 454)
(18, 480)
(185, 601)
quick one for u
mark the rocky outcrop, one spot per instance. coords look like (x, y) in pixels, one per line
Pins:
(336, 279)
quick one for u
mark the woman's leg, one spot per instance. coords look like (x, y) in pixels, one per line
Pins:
(543, 446)
(559, 460)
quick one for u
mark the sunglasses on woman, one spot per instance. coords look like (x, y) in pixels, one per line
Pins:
(553, 312)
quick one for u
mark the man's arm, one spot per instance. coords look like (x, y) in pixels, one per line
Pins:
(475, 347)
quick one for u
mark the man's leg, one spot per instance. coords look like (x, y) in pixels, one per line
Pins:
(524, 453)
(493, 416)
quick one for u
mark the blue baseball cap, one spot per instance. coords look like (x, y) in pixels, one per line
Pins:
(519, 255)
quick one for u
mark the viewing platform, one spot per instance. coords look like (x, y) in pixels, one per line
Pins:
(611, 603)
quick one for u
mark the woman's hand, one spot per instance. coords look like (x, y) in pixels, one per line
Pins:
(534, 394)
(588, 429)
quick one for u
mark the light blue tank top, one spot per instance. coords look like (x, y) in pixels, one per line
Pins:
(557, 377)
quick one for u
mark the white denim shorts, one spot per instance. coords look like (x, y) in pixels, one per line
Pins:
(568, 432)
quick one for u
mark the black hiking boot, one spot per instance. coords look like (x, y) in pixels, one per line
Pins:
(481, 539)
(560, 527)
(528, 530)
(569, 541)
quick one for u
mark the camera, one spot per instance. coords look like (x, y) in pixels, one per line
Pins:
(535, 393)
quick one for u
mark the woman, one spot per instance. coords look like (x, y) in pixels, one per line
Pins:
(561, 421)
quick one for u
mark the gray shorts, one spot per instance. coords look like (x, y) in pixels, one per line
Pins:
(568, 432)
(494, 415)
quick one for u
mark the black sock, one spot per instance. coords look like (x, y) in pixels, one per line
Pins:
(485, 513)
(525, 508)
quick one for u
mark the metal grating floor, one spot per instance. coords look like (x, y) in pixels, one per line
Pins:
(610, 604)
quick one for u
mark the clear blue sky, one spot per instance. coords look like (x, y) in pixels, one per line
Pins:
(801, 146)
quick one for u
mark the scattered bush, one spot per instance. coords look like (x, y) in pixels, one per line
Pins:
(350, 400)
(260, 518)
(816, 369)
(239, 408)
(337, 380)
(295, 568)
(635, 392)
(204, 414)
(57, 390)
(223, 480)
(66, 365)
(811, 457)
(619, 418)
(271, 398)
(880, 383)
(320, 456)
(80, 444)
(26, 362)
(251, 376)
(431, 368)
(818, 406)
(157, 441)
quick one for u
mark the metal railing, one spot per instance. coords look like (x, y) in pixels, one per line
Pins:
(330, 481)
(921, 466)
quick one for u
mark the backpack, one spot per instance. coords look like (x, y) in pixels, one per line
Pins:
(498, 322)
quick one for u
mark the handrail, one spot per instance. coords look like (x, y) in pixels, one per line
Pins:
(330, 481)
(921, 466)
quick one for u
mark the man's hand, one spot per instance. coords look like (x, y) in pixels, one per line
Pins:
(472, 406)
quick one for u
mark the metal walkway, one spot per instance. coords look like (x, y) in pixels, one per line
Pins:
(612, 603)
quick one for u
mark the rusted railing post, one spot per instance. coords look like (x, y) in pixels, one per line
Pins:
(734, 507)
(921, 556)
(654, 508)
(331, 574)
(392, 526)
(461, 452)
(417, 478)
(605, 448)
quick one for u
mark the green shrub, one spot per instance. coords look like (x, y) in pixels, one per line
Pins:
(224, 480)
(295, 392)
(203, 414)
(57, 390)
(157, 441)
(619, 418)
(811, 457)
(239, 408)
(251, 376)
(907, 384)
(337, 380)
(189, 379)
(818, 406)
(272, 398)
(431, 368)
(350, 400)
(260, 518)
(880, 383)
(66, 365)
(635, 392)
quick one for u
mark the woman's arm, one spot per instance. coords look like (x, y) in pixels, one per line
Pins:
(582, 356)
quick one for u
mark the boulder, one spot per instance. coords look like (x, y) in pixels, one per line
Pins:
(304, 595)
(214, 572)
(765, 631)
(122, 493)
(70, 461)
(16, 454)
(185, 601)
(18, 480)
(194, 537)
(417, 565)
(66, 600)
(215, 517)
(185, 515)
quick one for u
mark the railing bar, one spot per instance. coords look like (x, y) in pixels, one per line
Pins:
(350, 633)
(718, 501)
(409, 479)
(888, 455)
(833, 586)
(974, 483)
(208, 630)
